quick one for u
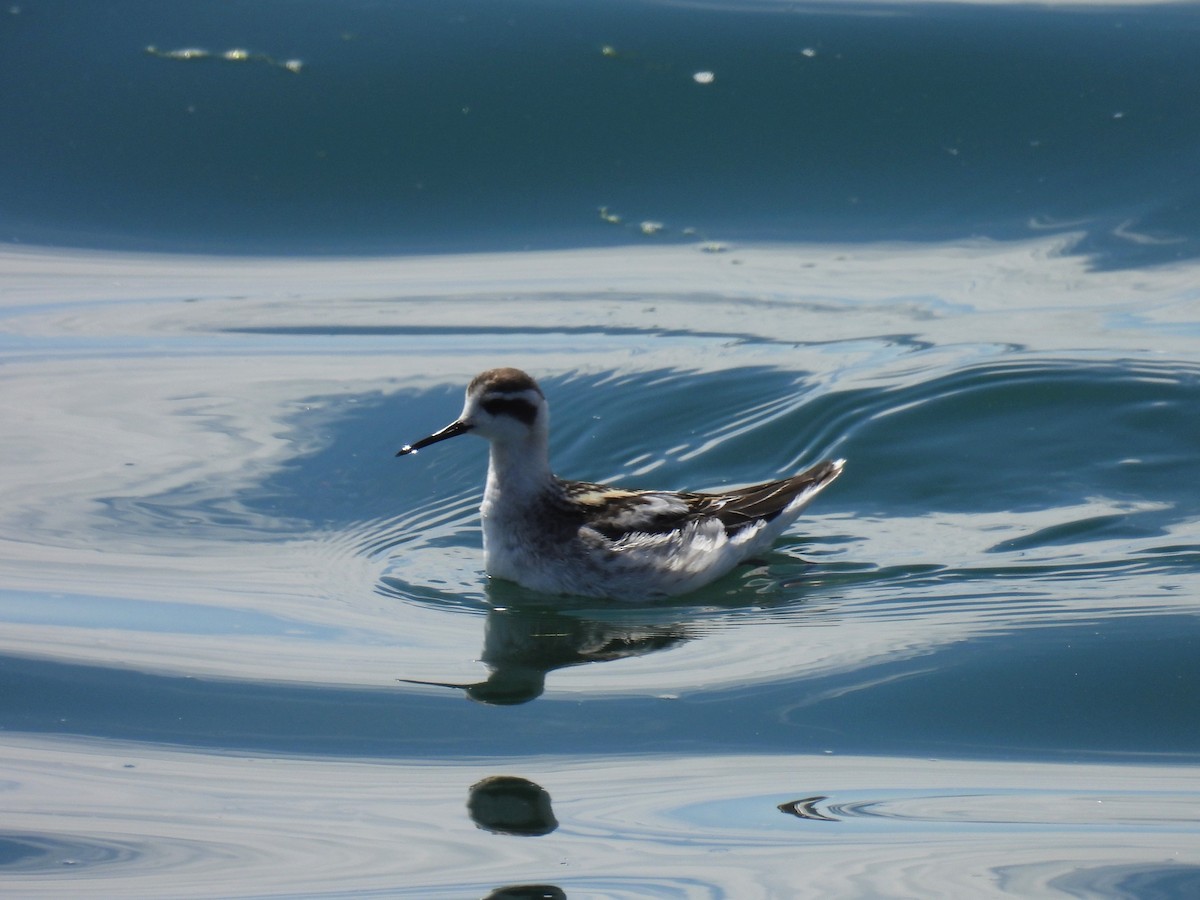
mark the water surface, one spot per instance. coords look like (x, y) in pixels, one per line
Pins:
(247, 652)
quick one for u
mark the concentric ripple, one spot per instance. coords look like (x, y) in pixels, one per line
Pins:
(196, 825)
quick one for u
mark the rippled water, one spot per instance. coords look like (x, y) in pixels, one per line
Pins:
(245, 651)
(673, 827)
(230, 611)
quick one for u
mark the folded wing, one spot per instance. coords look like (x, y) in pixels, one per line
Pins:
(617, 513)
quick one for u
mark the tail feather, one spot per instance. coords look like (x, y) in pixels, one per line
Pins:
(765, 502)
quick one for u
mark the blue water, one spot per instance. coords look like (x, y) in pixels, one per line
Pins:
(435, 125)
(249, 251)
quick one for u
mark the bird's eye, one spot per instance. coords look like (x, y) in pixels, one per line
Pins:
(521, 410)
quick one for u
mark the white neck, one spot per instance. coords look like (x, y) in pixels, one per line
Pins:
(518, 470)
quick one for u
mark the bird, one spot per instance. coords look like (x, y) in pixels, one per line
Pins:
(560, 537)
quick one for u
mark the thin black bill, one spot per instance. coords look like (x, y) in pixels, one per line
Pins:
(454, 429)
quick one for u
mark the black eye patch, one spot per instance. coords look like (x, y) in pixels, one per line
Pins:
(521, 410)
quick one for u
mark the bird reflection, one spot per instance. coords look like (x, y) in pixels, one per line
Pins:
(528, 892)
(506, 804)
(522, 644)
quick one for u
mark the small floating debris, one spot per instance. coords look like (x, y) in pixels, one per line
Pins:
(234, 55)
(704, 77)
(182, 53)
(608, 50)
(650, 228)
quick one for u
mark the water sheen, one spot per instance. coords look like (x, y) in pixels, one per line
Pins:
(247, 652)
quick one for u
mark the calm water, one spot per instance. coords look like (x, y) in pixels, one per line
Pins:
(249, 251)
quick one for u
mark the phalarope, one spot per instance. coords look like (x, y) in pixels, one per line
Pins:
(593, 540)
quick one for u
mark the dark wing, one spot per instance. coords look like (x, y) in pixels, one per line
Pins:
(763, 502)
(615, 512)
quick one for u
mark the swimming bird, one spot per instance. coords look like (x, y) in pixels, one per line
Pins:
(593, 540)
